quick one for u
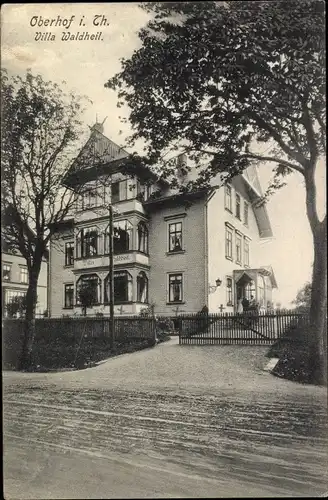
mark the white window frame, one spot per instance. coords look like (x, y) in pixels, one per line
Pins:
(175, 273)
(69, 244)
(228, 206)
(9, 266)
(169, 224)
(228, 230)
(246, 245)
(246, 211)
(73, 288)
(238, 204)
(23, 272)
(229, 291)
(239, 237)
(175, 219)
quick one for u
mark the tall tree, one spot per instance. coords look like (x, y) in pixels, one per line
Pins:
(86, 293)
(223, 79)
(39, 134)
(303, 298)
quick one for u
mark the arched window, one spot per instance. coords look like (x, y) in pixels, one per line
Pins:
(122, 237)
(142, 288)
(87, 242)
(92, 283)
(142, 237)
(122, 287)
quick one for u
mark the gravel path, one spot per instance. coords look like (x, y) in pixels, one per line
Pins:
(172, 421)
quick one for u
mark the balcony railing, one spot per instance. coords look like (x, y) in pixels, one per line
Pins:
(131, 257)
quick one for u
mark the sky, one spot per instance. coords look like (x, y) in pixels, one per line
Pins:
(29, 40)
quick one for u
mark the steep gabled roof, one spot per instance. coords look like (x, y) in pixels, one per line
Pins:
(252, 179)
(101, 156)
(97, 150)
(253, 187)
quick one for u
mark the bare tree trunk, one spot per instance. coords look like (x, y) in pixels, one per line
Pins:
(318, 310)
(29, 331)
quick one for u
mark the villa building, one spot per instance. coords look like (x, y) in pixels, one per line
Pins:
(14, 282)
(176, 252)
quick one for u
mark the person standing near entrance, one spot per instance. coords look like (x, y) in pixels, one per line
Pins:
(245, 304)
(240, 307)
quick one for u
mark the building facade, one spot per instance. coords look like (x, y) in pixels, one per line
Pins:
(174, 252)
(15, 282)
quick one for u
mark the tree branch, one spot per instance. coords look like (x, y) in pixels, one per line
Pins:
(274, 159)
(286, 149)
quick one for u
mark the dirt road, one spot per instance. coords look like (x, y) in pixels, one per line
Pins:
(172, 421)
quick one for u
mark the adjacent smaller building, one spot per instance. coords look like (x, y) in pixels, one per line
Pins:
(14, 282)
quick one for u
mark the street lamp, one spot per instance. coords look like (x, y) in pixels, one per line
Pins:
(212, 289)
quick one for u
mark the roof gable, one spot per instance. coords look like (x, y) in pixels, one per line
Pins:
(97, 150)
(252, 179)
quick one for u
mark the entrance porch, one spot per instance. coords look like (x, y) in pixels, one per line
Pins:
(255, 285)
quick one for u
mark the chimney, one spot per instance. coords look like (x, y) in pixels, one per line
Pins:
(182, 167)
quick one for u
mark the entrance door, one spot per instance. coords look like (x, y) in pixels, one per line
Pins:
(245, 288)
(240, 291)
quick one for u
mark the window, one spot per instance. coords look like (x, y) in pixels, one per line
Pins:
(86, 199)
(123, 190)
(228, 243)
(142, 237)
(237, 206)
(122, 237)
(246, 213)
(175, 288)
(250, 290)
(261, 287)
(14, 303)
(93, 197)
(91, 281)
(142, 288)
(69, 296)
(87, 242)
(229, 291)
(69, 254)
(23, 275)
(143, 191)
(6, 272)
(238, 249)
(246, 252)
(175, 237)
(115, 192)
(122, 287)
(227, 198)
